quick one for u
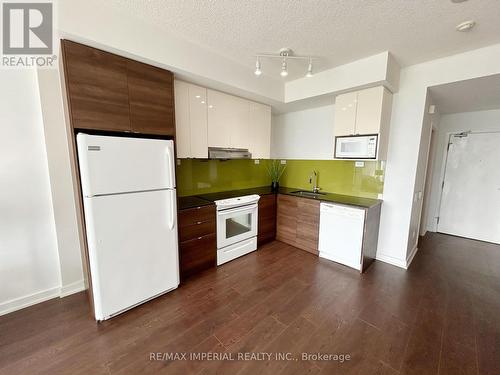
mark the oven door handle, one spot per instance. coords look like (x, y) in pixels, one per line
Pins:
(238, 209)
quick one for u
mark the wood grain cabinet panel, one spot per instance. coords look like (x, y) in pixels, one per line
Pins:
(197, 240)
(286, 219)
(195, 215)
(151, 96)
(96, 83)
(197, 255)
(298, 222)
(267, 219)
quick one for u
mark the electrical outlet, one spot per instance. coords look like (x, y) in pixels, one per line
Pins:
(256, 161)
(359, 164)
(283, 161)
(178, 161)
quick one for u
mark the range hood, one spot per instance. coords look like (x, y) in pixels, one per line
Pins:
(228, 153)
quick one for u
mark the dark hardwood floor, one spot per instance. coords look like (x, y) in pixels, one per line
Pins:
(441, 316)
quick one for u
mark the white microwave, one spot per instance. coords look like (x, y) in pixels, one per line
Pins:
(356, 147)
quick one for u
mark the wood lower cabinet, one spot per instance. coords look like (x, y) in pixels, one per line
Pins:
(267, 219)
(107, 92)
(197, 240)
(298, 222)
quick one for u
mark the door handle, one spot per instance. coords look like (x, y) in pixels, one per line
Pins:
(170, 167)
(173, 214)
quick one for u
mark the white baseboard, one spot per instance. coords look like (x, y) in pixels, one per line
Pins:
(391, 260)
(72, 288)
(42, 296)
(396, 261)
(29, 300)
(410, 256)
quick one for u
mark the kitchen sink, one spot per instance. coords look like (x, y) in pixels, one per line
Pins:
(308, 193)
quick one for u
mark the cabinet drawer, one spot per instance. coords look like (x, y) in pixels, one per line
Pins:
(201, 228)
(192, 216)
(197, 255)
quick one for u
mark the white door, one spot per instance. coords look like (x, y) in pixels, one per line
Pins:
(219, 119)
(369, 110)
(345, 114)
(198, 121)
(122, 164)
(260, 131)
(132, 240)
(470, 202)
(182, 119)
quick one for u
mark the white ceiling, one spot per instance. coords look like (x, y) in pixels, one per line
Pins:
(339, 31)
(478, 94)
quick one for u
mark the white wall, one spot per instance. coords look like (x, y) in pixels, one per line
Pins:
(454, 123)
(57, 141)
(29, 269)
(405, 141)
(306, 134)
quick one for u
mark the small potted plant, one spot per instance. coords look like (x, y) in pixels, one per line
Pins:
(275, 170)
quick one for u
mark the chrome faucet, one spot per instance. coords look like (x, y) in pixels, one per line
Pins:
(313, 179)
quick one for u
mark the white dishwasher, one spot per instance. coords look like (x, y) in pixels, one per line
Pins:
(341, 234)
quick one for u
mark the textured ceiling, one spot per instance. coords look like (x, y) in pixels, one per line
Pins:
(339, 31)
(479, 94)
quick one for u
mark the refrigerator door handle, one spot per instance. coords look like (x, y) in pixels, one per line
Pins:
(170, 166)
(173, 216)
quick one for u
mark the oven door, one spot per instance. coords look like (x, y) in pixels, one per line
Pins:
(356, 147)
(236, 224)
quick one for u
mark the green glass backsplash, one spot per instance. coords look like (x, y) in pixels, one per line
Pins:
(196, 176)
(336, 176)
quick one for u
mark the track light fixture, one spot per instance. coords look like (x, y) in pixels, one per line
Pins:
(285, 54)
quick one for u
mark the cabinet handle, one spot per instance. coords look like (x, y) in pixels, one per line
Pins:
(199, 222)
(200, 237)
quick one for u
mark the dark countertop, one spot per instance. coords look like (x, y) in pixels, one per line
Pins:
(336, 198)
(183, 203)
(206, 199)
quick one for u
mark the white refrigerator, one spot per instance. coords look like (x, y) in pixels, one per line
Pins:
(129, 198)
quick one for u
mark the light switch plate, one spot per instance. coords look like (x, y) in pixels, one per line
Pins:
(178, 161)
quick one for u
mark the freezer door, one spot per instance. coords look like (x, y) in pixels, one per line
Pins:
(111, 165)
(132, 240)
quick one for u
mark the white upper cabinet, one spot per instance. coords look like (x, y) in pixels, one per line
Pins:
(220, 117)
(345, 114)
(369, 110)
(191, 120)
(208, 118)
(260, 131)
(365, 112)
(182, 126)
(198, 121)
(362, 112)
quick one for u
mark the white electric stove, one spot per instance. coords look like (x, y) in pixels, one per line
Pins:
(236, 227)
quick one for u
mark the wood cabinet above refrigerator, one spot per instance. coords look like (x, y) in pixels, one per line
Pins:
(113, 93)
